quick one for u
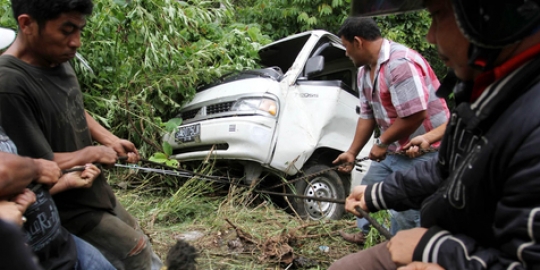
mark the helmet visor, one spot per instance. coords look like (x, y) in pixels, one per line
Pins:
(367, 8)
(497, 23)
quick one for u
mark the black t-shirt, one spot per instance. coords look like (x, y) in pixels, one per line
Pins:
(52, 243)
(42, 111)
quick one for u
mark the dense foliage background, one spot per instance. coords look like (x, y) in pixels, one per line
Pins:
(148, 56)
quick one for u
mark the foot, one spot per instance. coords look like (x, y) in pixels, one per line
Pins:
(355, 238)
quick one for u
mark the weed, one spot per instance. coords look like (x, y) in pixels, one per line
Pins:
(236, 228)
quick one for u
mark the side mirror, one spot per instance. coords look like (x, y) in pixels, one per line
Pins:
(7, 36)
(84, 63)
(314, 65)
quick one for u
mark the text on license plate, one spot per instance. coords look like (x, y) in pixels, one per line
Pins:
(189, 133)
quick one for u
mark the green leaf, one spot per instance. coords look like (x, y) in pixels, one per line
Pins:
(158, 157)
(172, 162)
(167, 148)
(120, 2)
(172, 124)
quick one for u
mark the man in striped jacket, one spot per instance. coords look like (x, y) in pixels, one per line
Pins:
(397, 95)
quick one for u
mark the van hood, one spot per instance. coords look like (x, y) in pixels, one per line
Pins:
(254, 86)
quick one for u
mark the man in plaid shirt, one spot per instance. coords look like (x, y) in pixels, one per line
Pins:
(397, 95)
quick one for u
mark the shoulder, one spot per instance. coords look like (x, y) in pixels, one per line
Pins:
(11, 72)
(400, 52)
(394, 46)
(406, 57)
(68, 68)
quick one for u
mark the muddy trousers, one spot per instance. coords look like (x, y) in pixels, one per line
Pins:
(374, 258)
(122, 242)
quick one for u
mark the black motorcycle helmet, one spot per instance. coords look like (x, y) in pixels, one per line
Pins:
(488, 24)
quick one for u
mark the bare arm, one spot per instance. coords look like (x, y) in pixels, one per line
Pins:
(122, 147)
(15, 173)
(436, 134)
(99, 133)
(364, 129)
(424, 141)
(403, 127)
(18, 172)
(112, 147)
(76, 179)
(90, 154)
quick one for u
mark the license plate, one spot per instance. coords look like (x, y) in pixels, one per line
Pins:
(189, 133)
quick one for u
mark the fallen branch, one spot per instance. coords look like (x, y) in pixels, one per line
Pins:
(242, 235)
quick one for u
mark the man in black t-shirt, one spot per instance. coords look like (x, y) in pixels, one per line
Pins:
(54, 246)
(42, 110)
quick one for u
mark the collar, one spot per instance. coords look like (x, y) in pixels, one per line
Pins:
(487, 78)
(384, 55)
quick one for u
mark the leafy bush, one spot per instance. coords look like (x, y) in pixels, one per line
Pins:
(151, 55)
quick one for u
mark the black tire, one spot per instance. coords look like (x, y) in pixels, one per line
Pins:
(329, 185)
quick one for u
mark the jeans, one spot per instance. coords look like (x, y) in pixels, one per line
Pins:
(378, 171)
(89, 258)
(123, 242)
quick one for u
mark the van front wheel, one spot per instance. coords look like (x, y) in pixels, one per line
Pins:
(327, 184)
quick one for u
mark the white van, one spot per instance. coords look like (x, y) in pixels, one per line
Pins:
(292, 118)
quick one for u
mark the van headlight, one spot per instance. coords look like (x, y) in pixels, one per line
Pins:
(256, 104)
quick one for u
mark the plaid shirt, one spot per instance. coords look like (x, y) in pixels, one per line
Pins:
(405, 84)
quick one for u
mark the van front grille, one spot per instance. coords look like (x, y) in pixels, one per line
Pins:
(219, 108)
(190, 114)
(210, 110)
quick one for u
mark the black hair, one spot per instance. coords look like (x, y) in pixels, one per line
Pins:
(182, 256)
(46, 10)
(365, 28)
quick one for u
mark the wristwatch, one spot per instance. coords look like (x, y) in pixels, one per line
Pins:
(379, 143)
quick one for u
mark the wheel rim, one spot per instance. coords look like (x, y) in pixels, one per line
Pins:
(319, 187)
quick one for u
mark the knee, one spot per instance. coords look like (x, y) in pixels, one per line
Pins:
(139, 247)
(335, 265)
(346, 263)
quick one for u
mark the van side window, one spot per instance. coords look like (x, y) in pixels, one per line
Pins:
(346, 76)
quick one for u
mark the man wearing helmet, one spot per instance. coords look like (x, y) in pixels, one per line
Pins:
(478, 200)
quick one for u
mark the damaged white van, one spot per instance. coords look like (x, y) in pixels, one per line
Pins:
(289, 119)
